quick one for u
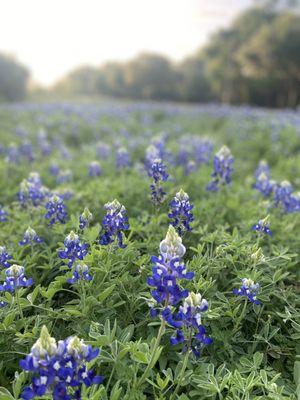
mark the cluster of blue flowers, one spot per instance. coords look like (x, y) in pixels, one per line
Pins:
(180, 213)
(81, 272)
(85, 218)
(32, 192)
(159, 174)
(263, 183)
(122, 158)
(192, 333)
(30, 237)
(4, 257)
(248, 289)
(263, 226)
(167, 270)
(114, 223)
(285, 197)
(15, 278)
(73, 250)
(59, 369)
(223, 161)
(56, 210)
(283, 193)
(94, 169)
(3, 214)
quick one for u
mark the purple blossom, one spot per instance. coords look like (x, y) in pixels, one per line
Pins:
(73, 250)
(114, 223)
(81, 272)
(56, 210)
(122, 158)
(159, 174)
(30, 237)
(3, 214)
(59, 368)
(85, 218)
(4, 257)
(222, 169)
(94, 169)
(32, 192)
(180, 213)
(15, 278)
(248, 289)
(192, 333)
(263, 226)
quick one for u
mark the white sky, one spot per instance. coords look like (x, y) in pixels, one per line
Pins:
(53, 36)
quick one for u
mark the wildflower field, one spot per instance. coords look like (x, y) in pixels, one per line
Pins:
(149, 251)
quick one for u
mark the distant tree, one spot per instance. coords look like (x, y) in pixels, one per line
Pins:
(150, 76)
(193, 83)
(273, 55)
(223, 66)
(110, 80)
(13, 79)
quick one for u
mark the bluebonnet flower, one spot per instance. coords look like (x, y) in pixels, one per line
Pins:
(85, 218)
(32, 192)
(94, 169)
(202, 150)
(263, 226)
(74, 249)
(3, 304)
(264, 168)
(44, 143)
(102, 150)
(26, 150)
(167, 269)
(4, 257)
(54, 169)
(181, 212)
(283, 195)
(64, 176)
(13, 154)
(30, 237)
(152, 154)
(122, 158)
(190, 167)
(15, 278)
(159, 174)
(81, 272)
(3, 214)
(248, 289)
(222, 169)
(264, 185)
(59, 368)
(56, 210)
(114, 222)
(192, 333)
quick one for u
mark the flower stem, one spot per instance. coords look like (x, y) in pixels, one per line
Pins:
(184, 365)
(19, 305)
(240, 317)
(156, 345)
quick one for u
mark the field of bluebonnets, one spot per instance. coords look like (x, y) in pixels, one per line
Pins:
(149, 252)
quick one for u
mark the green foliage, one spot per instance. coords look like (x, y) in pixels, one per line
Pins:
(13, 79)
(255, 354)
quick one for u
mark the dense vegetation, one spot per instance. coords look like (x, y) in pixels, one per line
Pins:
(255, 61)
(13, 79)
(89, 155)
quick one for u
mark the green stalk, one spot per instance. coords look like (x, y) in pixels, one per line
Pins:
(18, 303)
(241, 316)
(185, 360)
(156, 345)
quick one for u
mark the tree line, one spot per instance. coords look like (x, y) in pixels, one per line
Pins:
(254, 61)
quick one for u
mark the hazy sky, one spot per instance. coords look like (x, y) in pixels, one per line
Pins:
(53, 36)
